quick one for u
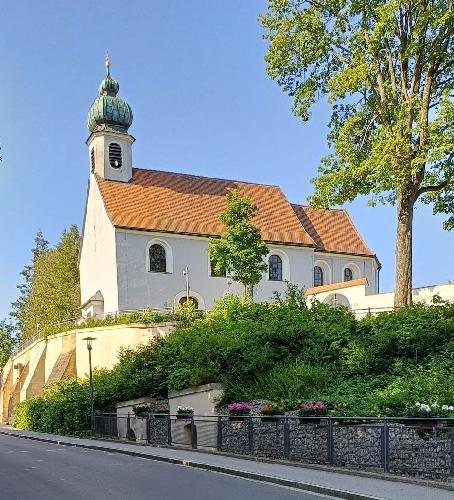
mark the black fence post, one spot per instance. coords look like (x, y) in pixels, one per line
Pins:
(219, 436)
(286, 439)
(330, 441)
(452, 452)
(193, 434)
(169, 430)
(128, 426)
(148, 420)
(385, 445)
(251, 435)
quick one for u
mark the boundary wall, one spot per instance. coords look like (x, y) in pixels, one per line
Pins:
(65, 355)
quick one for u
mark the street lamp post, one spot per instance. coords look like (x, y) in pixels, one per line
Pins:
(89, 341)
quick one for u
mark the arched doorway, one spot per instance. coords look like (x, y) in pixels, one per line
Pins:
(337, 299)
(194, 301)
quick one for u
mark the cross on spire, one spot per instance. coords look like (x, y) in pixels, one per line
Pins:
(107, 63)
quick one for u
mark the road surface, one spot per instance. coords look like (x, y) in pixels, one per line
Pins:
(33, 470)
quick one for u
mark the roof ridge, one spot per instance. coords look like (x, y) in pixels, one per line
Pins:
(207, 177)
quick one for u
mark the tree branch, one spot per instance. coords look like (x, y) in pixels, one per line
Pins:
(432, 188)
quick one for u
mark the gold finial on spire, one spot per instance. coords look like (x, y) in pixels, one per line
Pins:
(107, 63)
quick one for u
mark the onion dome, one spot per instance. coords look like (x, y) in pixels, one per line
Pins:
(109, 112)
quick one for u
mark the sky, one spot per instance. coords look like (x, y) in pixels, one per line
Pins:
(194, 74)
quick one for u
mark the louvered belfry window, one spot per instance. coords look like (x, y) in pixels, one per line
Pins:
(115, 155)
(92, 159)
(157, 259)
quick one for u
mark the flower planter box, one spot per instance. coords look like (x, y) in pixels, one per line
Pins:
(160, 415)
(269, 419)
(237, 418)
(182, 416)
(310, 420)
(426, 423)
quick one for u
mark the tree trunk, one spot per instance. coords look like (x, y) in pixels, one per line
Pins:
(403, 285)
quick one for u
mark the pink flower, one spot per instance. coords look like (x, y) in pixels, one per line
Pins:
(239, 406)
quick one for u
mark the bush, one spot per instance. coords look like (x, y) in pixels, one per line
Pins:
(279, 351)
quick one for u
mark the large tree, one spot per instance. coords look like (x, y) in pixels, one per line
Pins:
(240, 250)
(386, 67)
(7, 341)
(21, 305)
(51, 290)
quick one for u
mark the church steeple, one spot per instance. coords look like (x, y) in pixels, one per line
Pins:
(109, 119)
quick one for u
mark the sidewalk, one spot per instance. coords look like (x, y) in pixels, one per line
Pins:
(339, 485)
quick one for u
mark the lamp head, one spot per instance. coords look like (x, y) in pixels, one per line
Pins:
(89, 341)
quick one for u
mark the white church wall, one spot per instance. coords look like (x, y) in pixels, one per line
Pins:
(362, 267)
(138, 287)
(98, 270)
(361, 302)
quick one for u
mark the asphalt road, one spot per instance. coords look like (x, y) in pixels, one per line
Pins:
(32, 470)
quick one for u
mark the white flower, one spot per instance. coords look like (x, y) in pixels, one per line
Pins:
(445, 407)
(434, 405)
(451, 408)
(418, 405)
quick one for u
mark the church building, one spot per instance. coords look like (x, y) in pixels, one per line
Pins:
(145, 232)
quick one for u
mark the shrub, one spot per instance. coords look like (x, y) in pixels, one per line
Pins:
(279, 351)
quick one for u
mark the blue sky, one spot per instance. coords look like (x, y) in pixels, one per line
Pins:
(194, 75)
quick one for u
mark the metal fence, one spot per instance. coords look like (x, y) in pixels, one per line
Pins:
(413, 446)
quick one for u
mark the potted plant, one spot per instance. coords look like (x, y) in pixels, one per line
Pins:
(141, 411)
(270, 412)
(312, 412)
(429, 415)
(185, 412)
(237, 411)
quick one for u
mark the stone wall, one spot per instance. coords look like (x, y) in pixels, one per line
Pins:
(425, 453)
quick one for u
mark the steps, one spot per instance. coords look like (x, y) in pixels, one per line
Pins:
(64, 366)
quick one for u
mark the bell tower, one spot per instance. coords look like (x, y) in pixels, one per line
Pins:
(109, 144)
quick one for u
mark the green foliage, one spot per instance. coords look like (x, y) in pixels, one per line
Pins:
(50, 293)
(282, 352)
(383, 64)
(7, 341)
(386, 68)
(291, 381)
(22, 305)
(147, 317)
(64, 408)
(240, 250)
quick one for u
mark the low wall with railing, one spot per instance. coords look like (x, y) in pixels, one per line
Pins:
(407, 446)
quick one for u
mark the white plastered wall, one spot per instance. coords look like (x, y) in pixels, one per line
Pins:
(97, 266)
(362, 267)
(138, 287)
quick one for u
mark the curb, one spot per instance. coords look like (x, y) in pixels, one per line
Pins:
(313, 488)
(327, 468)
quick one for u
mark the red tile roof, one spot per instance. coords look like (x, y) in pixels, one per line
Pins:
(332, 230)
(336, 286)
(190, 204)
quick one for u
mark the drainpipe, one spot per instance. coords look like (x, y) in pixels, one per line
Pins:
(378, 278)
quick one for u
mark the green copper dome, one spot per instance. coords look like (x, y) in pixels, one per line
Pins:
(109, 112)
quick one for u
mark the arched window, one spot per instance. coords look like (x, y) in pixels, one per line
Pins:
(348, 274)
(318, 276)
(157, 257)
(183, 300)
(215, 274)
(275, 268)
(115, 159)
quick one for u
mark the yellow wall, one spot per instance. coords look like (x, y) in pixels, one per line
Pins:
(65, 355)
